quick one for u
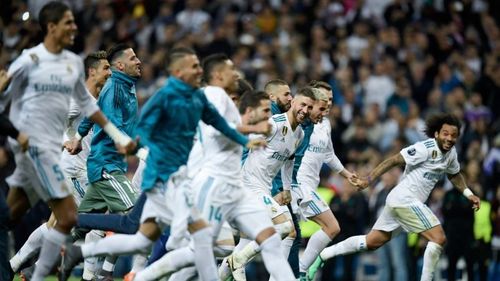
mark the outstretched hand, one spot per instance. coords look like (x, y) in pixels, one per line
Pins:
(359, 183)
(4, 80)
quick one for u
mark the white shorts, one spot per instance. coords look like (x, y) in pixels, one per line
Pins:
(170, 203)
(414, 218)
(264, 196)
(219, 199)
(39, 173)
(306, 202)
(79, 183)
(137, 178)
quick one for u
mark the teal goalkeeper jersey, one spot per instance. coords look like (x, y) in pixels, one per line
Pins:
(167, 126)
(118, 102)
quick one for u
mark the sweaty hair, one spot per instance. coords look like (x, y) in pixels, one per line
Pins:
(52, 12)
(116, 51)
(210, 63)
(435, 122)
(92, 61)
(306, 92)
(252, 99)
(273, 83)
(178, 53)
(320, 84)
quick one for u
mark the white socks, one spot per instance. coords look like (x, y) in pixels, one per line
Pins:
(431, 258)
(170, 262)
(51, 250)
(30, 247)
(204, 258)
(117, 244)
(316, 244)
(275, 263)
(90, 266)
(350, 245)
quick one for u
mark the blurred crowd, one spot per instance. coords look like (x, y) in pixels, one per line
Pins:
(391, 63)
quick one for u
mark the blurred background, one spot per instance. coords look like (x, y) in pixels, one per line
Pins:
(391, 63)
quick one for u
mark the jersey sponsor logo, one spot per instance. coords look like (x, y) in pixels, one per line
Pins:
(434, 154)
(280, 157)
(412, 151)
(432, 176)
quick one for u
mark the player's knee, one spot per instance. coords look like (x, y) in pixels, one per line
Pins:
(68, 221)
(284, 228)
(332, 231)
(439, 239)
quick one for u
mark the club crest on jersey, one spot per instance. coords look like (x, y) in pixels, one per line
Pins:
(434, 154)
(412, 151)
(34, 58)
(284, 130)
(68, 67)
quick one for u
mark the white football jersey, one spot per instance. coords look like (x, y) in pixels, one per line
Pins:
(220, 155)
(41, 88)
(262, 165)
(425, 166)
(75, 165)
(319, 151)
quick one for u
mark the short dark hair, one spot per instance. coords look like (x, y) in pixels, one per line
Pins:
(177, 53)
(92, 61)
(320, 84)
(306, 92)
(274, 82)
(435, 122)
(210, 63)
(116, 51)
(52, 12)
(251, 99)
(243, 87)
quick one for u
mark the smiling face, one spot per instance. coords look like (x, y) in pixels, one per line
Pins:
(64, 31)
(318, 111)
(101, 73)
(301, 107)
(188, 69)
(228, 76)
(446, 137)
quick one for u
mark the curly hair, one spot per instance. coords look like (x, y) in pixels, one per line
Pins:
(435, 122)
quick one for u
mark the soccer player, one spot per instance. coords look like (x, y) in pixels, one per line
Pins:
(97, 71)
(306, 202)
(217, 188)
(260, 168)
(167, 127)
(110, 189)
(425, 164)
(42, 82)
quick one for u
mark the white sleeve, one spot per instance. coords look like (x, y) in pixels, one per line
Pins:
(415, 154)
(82, 96)
(74, 111)
(18, 72)
(286, 174)
(453, 166)
(274, 129)
(219, 101)
(332, 160)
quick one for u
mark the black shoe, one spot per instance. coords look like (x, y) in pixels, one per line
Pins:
(71, 256)
(27, 273)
